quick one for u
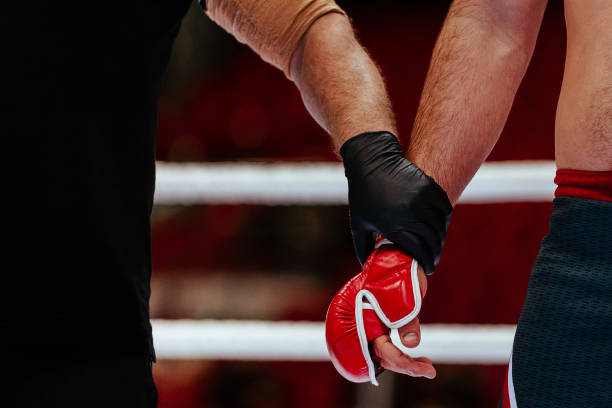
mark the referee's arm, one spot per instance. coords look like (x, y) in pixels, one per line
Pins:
(314, 44)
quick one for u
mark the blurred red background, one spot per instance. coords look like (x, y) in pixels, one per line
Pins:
(222, 103)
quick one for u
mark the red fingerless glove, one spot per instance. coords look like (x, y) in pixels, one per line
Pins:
(382, 298)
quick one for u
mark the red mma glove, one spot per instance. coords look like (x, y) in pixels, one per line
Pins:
(382, 298)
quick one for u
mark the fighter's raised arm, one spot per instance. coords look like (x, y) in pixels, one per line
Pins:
(479, 60)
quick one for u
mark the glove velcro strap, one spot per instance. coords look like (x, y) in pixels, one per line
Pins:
(366, 300)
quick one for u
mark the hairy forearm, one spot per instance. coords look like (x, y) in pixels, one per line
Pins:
(340, 85)
(478, 62)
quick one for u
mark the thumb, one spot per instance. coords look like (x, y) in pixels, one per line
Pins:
(410, 334)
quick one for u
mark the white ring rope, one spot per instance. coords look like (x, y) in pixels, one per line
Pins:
(323, 184)
(312, 183)
(305, 341)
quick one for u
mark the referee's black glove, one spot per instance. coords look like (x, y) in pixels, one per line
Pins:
(391, 196)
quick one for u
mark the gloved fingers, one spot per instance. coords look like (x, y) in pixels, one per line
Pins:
(409, 244)
(363, 240)
(410, 334)
(391, 358)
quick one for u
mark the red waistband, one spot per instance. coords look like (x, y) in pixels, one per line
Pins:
(595, 185)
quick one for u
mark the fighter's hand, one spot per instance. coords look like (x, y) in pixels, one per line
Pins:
(369, 314)
(392, 358)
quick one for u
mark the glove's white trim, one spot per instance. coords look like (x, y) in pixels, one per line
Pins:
(372, 304)
(361, 333)
(382, 242)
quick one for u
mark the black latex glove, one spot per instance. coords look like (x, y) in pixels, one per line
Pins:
(391, 196)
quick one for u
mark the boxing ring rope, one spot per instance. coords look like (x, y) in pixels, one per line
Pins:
(324, 183)
(305, 341)
(311, 183)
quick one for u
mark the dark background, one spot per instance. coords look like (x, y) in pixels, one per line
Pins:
(222, 103)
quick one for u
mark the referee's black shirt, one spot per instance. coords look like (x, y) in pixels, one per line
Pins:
(80, 83)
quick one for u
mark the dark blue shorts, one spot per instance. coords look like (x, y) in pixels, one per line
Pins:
(562, 354)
